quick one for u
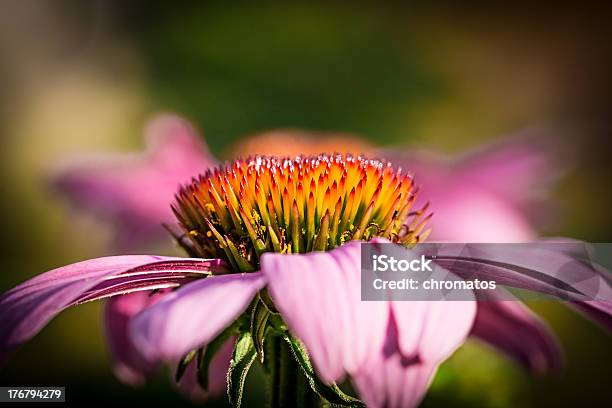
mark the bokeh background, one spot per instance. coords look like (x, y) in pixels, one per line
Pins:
(83, 76)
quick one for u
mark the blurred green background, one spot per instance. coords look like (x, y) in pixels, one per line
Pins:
(83, 76)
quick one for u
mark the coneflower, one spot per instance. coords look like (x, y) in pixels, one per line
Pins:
(274, 276)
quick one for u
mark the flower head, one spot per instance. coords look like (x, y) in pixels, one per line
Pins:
(296, 205)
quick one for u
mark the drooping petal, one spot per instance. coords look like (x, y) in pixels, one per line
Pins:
(557, 271)
(193, 315)
(391, 382)
(432, 330)
(27, 308)
(536, 267)
(134, 191)
(512, 328)
(171, 272)
(130, 366)
(429, 331)
(420, 335)
(318, 295)
(217, 375)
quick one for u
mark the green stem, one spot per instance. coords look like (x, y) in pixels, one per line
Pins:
(288, 385)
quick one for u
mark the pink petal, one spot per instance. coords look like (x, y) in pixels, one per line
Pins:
(528, 166)
(27, 308)
(431, 331)
(217, 375)
(135, 191)
(391, 383)
(463, 213)
(193, 315)
(559, 271)
(512, 328)
(129, 365)
(318, 295)
(483, 196)
(536, 267)
(420, 335)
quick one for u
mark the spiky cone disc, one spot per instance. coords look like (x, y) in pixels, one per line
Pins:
(292, 205)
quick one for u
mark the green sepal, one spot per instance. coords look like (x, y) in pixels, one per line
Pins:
(276, 322)
(264, 296)
(259, 324)
(206, 354)
(182, 365)
(331, 393)
(242, 359)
